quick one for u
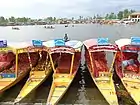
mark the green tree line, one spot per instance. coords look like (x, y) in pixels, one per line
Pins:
(120, 15)
(12, 19)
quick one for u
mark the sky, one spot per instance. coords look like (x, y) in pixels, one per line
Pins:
(63, 8)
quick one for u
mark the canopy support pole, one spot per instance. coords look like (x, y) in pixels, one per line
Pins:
(113, 62)
(16, 71)
(29, 59)
(91, 61)
(72, 64)
(46, 61)
(122, 63)
(52, 63)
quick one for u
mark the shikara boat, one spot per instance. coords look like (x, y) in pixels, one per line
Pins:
(127, 66)
(39, 73)
(65, 58)
(100, 64)
(49, 27)
(19, 67)
(15, 28)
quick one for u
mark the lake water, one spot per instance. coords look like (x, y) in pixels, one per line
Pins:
(82, 91)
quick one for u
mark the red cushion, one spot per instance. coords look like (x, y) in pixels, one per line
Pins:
(133, 67)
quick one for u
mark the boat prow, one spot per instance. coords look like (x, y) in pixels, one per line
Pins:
(96, 54)
(60, 84)
(127, 66)
(33, 82)
(38, 74)
(105, 85)
(133, 87)
(18, 70)
(67, 57)
(6, 82)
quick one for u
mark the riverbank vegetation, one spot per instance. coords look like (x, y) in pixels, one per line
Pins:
(53, 20)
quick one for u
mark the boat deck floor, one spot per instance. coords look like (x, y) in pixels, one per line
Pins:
(106, 87)
(35, 79)
(133, 87)
(60, 85)
(6, 82)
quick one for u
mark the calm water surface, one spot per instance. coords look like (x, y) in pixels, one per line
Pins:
(82, 91)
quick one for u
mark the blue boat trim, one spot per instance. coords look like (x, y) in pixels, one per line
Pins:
(37, 43)
(59, 42)
(8, 75)
(135, 40)
(102, 41)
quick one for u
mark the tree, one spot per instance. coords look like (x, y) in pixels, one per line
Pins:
(94, 17)
(120, 15)
(98, 16)
(126, 13)
(72, 18)
(107, 16)
(39, 19)
(2, 19)
(50, 19)
(54, 19)
(80, 17)
(23, 19)
(12, 19)
(132, 11)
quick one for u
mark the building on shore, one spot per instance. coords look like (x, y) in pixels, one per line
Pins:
(135, 17)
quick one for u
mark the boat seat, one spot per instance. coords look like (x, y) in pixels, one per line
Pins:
(55, 96)
(106, 88)
(63, 67)
(63, 86)
(104, 74)
(133, 68)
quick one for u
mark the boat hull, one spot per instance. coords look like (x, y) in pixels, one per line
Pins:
(60, 85)
(132, 85)
(6, 83)
(106, 87)
(35, 79)
(133, 88)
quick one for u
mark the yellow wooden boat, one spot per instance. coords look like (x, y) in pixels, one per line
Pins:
(39, 73)
(96, 54)
(20, 64)
(127, 66)
(67, 56)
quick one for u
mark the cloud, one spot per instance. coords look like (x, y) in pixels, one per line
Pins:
(63, 8)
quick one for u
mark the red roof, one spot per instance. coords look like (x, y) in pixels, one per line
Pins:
(90, 42)
(92, 45)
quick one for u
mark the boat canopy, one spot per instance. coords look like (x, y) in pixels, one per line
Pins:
(129, 45)
(59, 45)
(21, 47)
(14, 46)
(99, 44)
(37, 45)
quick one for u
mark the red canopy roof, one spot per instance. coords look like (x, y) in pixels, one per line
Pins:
(92, 45)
